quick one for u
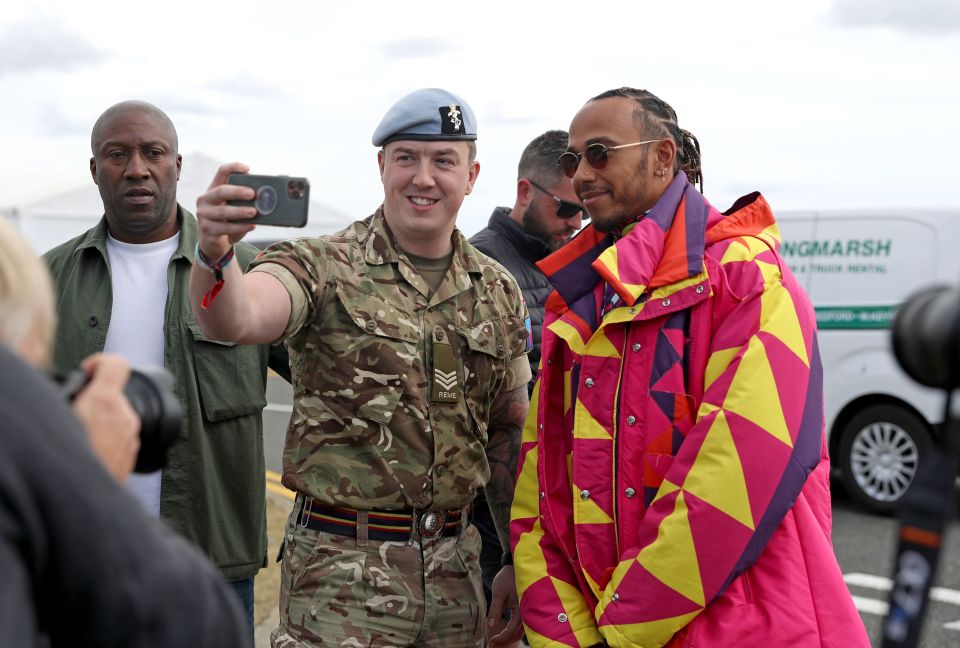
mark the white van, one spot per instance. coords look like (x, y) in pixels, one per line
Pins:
(857, 267)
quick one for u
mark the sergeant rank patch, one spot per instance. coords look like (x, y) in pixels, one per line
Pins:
(446, 387)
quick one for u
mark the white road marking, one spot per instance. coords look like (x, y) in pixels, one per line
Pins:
(882, 583)
(871, 606)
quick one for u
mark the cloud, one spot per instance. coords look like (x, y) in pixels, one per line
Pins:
(907, 16)
(249, 87)
(60, 121)
(417, 48)
(43, 44)
(214, 99)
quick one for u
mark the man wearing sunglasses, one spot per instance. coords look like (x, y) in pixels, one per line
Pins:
(674, 480)
(545, 215)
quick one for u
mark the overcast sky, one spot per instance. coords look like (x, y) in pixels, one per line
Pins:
(824, 103)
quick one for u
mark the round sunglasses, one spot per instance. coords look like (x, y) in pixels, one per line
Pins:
(565, 208)
(595, 155)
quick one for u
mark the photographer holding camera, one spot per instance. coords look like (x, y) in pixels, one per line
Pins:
(82, 564)
(122, 288)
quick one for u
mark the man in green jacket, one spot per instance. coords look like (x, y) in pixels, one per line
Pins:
(122, 287)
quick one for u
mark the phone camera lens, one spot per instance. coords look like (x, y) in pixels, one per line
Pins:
(295, 189)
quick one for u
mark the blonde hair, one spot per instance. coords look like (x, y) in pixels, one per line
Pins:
(26, 295)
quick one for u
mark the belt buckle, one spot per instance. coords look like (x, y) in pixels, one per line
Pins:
(431, 523)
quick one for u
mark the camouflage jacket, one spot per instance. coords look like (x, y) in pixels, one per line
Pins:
(373, 426)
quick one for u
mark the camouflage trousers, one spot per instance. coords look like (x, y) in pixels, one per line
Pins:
(340, 591)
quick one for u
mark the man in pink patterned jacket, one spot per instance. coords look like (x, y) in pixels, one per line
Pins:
(673, 485)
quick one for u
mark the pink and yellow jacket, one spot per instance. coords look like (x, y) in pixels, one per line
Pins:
(673, 485)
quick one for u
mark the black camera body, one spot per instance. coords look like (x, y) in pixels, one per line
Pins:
(926, 343)
(150, 393)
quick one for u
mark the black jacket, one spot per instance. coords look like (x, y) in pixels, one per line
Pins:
(506, 242)
(82, 563)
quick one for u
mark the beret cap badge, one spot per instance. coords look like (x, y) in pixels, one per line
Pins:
(450, 118)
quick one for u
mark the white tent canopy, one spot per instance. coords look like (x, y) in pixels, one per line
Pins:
(51, 220)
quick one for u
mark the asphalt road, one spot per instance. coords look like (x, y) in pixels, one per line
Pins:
(864, 544)
(275, 419)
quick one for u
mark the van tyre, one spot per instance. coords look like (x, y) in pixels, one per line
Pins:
(881, 448)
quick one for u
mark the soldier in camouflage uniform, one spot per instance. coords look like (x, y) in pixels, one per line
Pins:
(408, 351)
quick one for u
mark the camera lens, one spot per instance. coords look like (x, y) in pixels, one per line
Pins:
(926, 337)
(295, 189)
(150, 392)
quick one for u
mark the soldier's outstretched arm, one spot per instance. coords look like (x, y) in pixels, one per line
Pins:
(228, 304)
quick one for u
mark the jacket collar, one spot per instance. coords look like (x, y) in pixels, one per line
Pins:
(96, 237)
(529, 246)
(664, 247)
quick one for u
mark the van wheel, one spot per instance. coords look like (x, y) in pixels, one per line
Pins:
(880, 450)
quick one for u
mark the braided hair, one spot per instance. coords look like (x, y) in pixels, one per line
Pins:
(655, 116)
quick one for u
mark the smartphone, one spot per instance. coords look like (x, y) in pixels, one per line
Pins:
(280, 200)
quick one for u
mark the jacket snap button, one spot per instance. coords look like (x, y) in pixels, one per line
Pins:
(371, 325)
(500, 349)
(666, 302)
(588, 382)
(631, 420)
(93, 321)
(615, 597)
(630, 493)
(562, 618)
(543, 496)
(699, 289)
(636, 347)
(584, 495)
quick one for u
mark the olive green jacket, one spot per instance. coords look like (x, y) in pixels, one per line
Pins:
(212, 490)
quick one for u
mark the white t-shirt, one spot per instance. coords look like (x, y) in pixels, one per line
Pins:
(138, 275)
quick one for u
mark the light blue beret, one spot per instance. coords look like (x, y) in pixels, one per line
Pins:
(427, 114)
